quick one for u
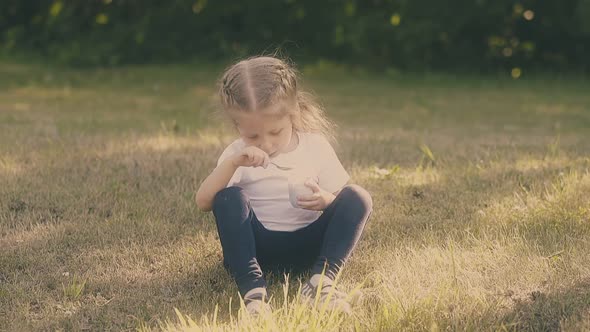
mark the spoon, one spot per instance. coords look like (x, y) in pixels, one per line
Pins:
(282, 168)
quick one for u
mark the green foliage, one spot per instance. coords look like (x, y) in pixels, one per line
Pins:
(74, 288)
(424, 34)
(427, 155)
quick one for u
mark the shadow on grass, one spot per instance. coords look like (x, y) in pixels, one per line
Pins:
(542, 311)
(454, 204)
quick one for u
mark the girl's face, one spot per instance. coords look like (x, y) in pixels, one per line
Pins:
(270, 132)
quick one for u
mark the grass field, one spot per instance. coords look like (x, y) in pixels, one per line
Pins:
(481, 189)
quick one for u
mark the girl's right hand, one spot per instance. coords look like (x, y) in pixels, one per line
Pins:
(251, 156)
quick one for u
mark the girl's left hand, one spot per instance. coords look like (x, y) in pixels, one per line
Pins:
(318, 201)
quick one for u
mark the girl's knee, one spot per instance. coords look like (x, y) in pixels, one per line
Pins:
(356, 192)
(231, 208)
(229, 196)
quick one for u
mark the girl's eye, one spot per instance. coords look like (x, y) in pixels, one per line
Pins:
(276, 132)
(252, 137)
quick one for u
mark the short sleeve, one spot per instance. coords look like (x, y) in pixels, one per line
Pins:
(229, 151)
(332, 175)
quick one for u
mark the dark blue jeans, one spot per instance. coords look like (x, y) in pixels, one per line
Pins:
(324, 244)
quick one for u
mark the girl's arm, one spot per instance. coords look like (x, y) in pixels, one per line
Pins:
(249, 157)
(216, 181)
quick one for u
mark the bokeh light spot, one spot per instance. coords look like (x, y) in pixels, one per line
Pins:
(395, 19)
(516, 73)
(102, 18)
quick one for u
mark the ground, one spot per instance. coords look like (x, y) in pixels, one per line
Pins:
(481, 188)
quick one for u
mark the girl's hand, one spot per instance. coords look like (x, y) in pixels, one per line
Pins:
(318, 201)
(251, 156)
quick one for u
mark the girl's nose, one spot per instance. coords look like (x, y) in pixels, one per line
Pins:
(265, 146)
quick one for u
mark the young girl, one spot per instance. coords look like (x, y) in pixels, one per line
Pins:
(282, 132)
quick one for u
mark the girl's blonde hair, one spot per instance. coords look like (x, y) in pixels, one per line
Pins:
(260, 82)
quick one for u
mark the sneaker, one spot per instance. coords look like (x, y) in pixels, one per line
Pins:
(328, 294)
(255, 302)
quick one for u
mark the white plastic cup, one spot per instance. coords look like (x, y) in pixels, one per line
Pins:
(297, 188)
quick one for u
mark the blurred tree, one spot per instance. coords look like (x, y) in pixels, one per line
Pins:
(424, 34)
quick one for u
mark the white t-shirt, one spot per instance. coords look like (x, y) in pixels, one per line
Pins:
(268, 189)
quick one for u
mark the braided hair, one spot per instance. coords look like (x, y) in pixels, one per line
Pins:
(260, 82)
